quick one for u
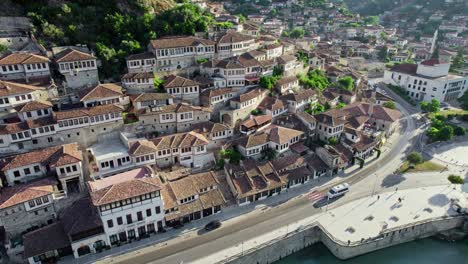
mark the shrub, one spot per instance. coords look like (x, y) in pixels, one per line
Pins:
(455, 179)
(415, 157)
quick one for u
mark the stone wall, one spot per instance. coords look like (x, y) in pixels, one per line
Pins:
(299, 239)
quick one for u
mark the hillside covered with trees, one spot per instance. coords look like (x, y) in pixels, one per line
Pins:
(113, 28)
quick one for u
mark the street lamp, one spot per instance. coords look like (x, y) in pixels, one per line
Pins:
(375, 182)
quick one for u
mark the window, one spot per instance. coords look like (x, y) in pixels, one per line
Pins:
(37, 168)
(16, 174)
(27, 171)
(113, 239)
(158, 210)
(45, 199)
(148, 212)
(131, 233)
(31, 204)
(39, 201)
(110, 223)
(119, 220)
(139, 216)
(129, 219)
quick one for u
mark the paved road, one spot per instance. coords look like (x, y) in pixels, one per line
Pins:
(245, 227)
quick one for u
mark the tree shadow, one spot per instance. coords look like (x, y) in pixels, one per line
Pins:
(439, 200)
(392, 180)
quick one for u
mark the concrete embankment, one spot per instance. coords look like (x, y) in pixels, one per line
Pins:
(306, 236)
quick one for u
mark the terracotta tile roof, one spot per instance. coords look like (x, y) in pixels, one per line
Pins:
(233, 37)
(257, 121)
(306, 117)
(177, 108)
(405, 68)
(104, 90)
(22, 58)
(141, 147)
(80, 217)
(53, 156)
(177, 81)
(284, 59)
(188, 139)
(179, 41)
(34, 241)
(286, 80)
(253, 140)
(216, 92)
(302, 95)
(251, 95)
(334, 117)
(141, 56)
(12, 88)
(21, 193)
(138, 75)
(431, 62)
(69, 55)
(123, 190)
(152, 97)
(12, 128)
(32, 106)
(92, 111)
(192, 184)
(271, 103)
(294, 174)
(288, 162)
(281, 135)
(40, 122)
(209, 127)
(248, 60)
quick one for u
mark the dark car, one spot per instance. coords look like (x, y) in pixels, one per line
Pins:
(212, 225)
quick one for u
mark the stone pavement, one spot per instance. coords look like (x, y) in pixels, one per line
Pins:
(363, 218)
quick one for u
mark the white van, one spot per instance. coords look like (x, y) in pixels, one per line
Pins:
(338, 190)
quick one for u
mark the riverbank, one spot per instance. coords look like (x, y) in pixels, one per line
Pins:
(424, 251)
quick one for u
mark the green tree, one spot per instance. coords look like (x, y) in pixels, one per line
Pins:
(433, 133)
(446, 133)
(297, 33)
(346, 83)
(415, 157)
(371, 20)
(269, 154)
(332, 141)
(232, 155)
(315, 79)
(389, 104)
(458, 60)
(340, 105)
(158, 84)
(455, 179)
(431, 107)
(459, 131)
(3, 48)
(268, 82)
(242, 18)
(383, 54)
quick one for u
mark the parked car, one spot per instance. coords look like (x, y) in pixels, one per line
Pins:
(212, 225)
(338, 190)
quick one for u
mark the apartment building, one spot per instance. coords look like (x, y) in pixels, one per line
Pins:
(102, 94)
(25, 67)
(173, 53)
(79, 68)
(150, 100)
(189, 197)
(272, 137)
(129, 205)
(241, 106)
(13, 94)
(138, 82)
(172, 118)
(63, 162)
(298, 101)
(183, 89)
(233, 44)
(427, 80)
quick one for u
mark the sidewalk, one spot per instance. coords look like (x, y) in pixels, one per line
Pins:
(362, 219)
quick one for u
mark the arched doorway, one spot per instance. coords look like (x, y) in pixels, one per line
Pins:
(226, 119)
(83, 250)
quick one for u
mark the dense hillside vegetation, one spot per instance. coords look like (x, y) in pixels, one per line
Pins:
(113, 28)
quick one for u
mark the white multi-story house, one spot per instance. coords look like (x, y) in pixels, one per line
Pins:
(234, 44)
(63, 162)
(140, 82)
(287, 85)
(173, 53)
(273, 137)
(182, 89)
(129, 204)
(241, 106)
(299, 100)
(78, 67)
(427, 80)
(151, 100)
(330, 124)
(173, 118)
(273, 51)
(102, 94)
(27, 67)
(13, 94)
(27, 206)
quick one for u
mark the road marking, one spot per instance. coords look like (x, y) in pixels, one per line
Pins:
(314, 196)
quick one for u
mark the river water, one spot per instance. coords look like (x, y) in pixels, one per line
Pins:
(425, 251)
